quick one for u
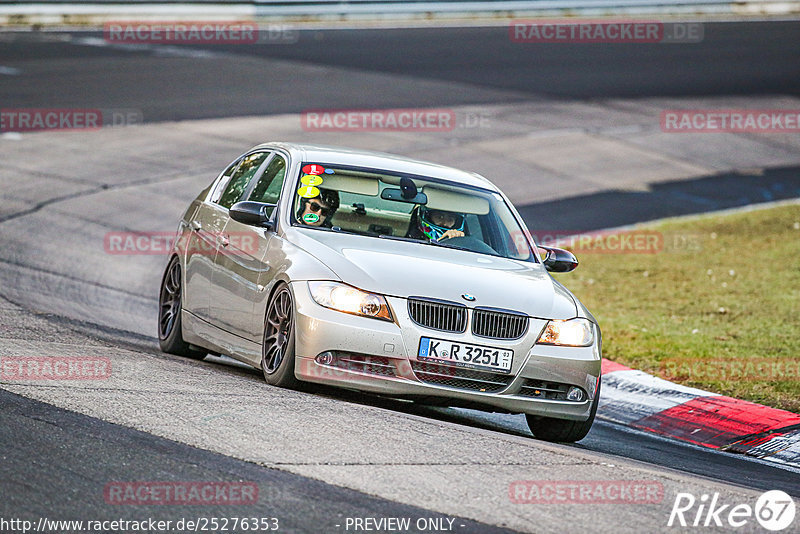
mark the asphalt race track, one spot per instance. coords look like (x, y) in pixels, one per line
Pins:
(446, 66)
(320, 456)
(60, 437)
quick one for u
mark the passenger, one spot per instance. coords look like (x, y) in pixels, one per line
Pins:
(318, 211)
(435, 224)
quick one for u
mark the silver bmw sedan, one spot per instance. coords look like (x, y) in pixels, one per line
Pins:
(382, 274)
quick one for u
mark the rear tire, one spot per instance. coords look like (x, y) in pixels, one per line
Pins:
(563, 430)
(277, 348)
(170, 332)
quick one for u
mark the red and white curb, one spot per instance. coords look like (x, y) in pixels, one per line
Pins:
(645, 402)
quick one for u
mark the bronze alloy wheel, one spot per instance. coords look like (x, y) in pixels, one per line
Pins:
(170, 334)
(277, 350)
(170, 300)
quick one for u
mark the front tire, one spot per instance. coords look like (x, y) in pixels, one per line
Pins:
(277, 348)
(170, 333)
(563, 430)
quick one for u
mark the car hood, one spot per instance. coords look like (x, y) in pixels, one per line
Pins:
(403, 269)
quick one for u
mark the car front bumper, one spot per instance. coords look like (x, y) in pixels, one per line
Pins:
(389, 365)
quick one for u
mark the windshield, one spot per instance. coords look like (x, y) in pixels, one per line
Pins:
(389, 205)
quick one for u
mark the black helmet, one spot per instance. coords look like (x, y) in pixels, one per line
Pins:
(435, 231)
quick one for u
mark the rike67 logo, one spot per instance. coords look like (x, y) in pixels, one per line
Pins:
(774, 511)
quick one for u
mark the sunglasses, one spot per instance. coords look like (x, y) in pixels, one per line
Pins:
(313, 206)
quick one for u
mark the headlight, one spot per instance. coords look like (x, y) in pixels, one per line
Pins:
(572, 333)
(348, 299)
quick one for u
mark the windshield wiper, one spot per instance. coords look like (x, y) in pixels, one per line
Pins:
(414, 240)
(420, 241)
(400, 238)
(456, 247)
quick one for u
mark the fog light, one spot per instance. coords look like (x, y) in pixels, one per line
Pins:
(326, 358)
(575, 394)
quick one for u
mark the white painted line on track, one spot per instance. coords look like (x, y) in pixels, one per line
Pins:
(156, 49)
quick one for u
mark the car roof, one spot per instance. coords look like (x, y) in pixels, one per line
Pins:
(379, 160)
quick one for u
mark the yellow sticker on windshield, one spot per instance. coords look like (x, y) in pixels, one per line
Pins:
(310, 179)
(308, 191)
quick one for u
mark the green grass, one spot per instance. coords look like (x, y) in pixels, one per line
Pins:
(724, 290)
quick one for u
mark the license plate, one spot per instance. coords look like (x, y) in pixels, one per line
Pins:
(465, 355)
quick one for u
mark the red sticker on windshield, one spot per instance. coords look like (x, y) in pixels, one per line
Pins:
(313, 169)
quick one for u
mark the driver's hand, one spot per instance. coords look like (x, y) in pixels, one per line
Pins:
(451, 233)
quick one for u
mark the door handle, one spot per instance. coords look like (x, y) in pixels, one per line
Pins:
(196, 225)
(224, 241)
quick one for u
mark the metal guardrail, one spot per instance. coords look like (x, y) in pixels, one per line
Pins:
(93, 11)
(544, 7)
(535, 4)
(439, 6)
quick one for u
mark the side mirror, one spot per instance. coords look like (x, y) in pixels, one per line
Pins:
(252, 214)
(559, 260)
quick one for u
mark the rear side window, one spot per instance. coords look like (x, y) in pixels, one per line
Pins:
(241, 177)
(268, 188)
